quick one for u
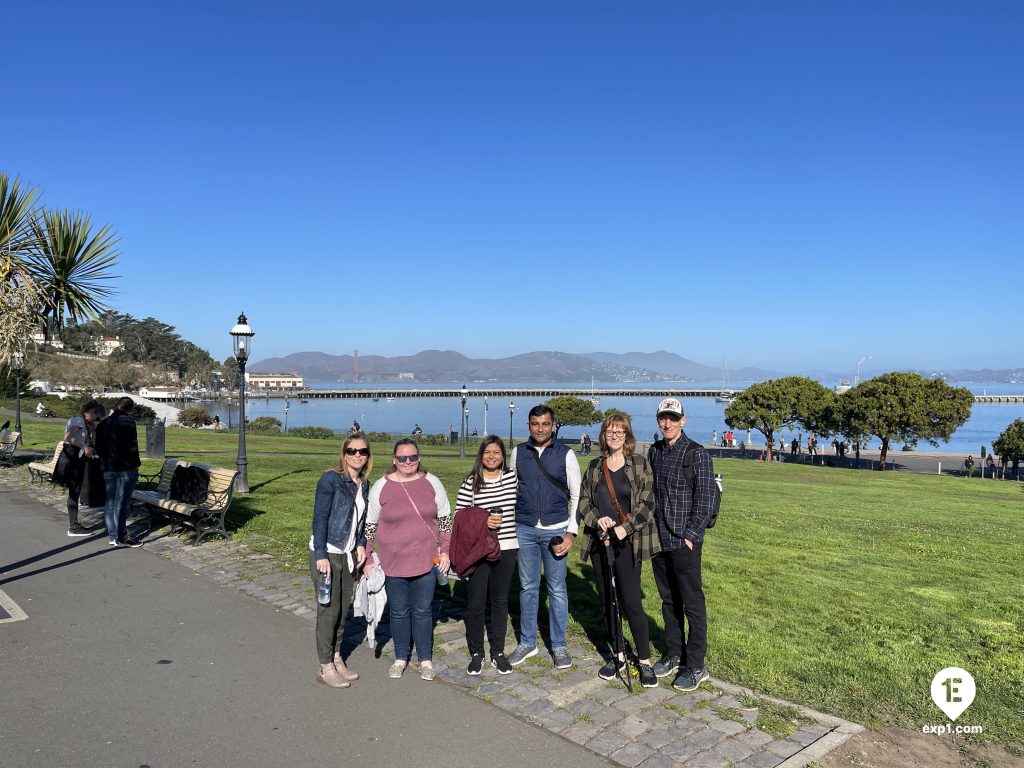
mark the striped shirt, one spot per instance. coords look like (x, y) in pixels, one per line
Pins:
(497, 493)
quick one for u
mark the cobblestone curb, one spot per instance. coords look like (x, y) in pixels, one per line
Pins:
(717, 725)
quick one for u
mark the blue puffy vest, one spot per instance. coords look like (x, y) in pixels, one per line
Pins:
(537, 499)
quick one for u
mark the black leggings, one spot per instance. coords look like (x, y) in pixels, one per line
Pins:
(491, 579)
(627, 581)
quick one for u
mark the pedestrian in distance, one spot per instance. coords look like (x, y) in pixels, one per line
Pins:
(492, 485)
(683, 508)
(990, 465)
(968, 465)
(117, 443)
(409, 527)
(337, 550)
(81, 465)
(546, 527)
(617, 508)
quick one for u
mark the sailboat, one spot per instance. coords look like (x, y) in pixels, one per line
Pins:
(726, 395)
(595, 401)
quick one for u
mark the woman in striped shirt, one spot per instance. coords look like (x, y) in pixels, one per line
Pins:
(491, 485)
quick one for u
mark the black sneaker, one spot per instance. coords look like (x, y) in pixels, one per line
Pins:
(668, 665)
(475, 664)
(128, 541)
(501, 663)
(647, 677)
(611, 669)
(690, 679)
(79, 530)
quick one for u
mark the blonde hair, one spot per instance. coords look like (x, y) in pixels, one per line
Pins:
(367, 467)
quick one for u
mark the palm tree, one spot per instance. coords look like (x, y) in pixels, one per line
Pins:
(19, 297)
(71, 267)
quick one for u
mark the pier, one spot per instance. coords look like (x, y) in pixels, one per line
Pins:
(513, 392)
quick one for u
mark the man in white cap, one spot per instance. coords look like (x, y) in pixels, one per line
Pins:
(684, 484)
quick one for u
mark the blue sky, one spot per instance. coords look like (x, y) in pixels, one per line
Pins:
(786, 184)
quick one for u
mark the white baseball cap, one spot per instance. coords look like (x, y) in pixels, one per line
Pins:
(670, 405)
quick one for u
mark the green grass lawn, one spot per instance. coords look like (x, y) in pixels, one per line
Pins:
(845, 591)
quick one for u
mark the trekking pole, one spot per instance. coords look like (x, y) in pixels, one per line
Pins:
(614, 614)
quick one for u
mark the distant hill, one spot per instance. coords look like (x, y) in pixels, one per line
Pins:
(450, 366)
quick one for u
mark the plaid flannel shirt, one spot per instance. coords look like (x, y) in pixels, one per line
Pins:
(682, 510)
(640, 528)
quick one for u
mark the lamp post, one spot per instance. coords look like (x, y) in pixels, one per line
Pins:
(286, 415)
(462, 425)
(241, 335)
(856, 379)
(485, 415)
(18, 360)
(511, 411)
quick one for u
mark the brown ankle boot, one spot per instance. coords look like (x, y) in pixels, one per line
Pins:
(328, 675)
(345, 672)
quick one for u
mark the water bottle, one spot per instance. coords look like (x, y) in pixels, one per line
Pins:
(323, 595)
(442, 578)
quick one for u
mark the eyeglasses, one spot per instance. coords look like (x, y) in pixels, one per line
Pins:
(359, 451)
(406, 459)
(616, 433)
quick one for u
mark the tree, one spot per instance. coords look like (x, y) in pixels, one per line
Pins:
(194, 416)
(1010, 445)
(768, 406)
(71, 267)
(230, 374)
(19, 294)
(573, 411)
(905, 407)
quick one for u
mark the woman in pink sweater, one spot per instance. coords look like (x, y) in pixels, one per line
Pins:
(408, 525)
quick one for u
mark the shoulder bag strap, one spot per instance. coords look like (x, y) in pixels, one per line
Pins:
(611, 492)
(544, 471)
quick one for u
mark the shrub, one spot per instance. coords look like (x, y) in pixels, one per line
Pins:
(72, 406)
(265, 424)
(194, 416)
(314, 433)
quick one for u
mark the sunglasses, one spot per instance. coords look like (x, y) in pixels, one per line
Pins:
(405, 459)
(357, 451)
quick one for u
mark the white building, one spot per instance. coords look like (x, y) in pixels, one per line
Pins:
(107, 344)
(273, 381)
(39, 339)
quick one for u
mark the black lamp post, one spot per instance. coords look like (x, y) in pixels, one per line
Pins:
(18, 361)
(241, 335)
(462, 425)
(511, 412)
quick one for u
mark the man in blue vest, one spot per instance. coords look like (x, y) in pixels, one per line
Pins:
(549, 490)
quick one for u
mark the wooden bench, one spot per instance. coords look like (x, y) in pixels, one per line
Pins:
(43, 471)
(205, 518)
(8, 442)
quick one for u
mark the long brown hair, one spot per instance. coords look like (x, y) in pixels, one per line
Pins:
(477, 474)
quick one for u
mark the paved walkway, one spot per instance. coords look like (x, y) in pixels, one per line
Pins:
(717, 725)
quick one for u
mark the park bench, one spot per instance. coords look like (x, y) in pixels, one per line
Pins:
(8, 442)
(205, 515)
(42, 471)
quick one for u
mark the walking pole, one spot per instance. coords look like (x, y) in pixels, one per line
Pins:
(614, 615)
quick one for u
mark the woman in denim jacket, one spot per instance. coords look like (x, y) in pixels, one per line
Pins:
(339, 522)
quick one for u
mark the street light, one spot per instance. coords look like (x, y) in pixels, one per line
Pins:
(462, 425)
(18, 361)
(511, 411)
(485, 415)
(856, 379)
(286, 415)
(241, 335)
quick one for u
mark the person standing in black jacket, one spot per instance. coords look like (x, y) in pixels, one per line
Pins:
(117, 443)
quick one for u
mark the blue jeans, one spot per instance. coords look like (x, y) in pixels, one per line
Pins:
(533, 552)
(119, 500)
(409, 600)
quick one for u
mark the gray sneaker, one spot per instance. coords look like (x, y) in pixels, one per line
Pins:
(561, 658)
(690, 679)
(521, 654)
(667, 665)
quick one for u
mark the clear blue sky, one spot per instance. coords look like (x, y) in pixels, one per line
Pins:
(787, 184)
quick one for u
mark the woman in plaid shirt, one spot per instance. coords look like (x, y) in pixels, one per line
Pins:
(632, 537)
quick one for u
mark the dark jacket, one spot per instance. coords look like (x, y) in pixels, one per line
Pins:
(538, 499)
(472, 541)
(117, 443)
(332, 511)
(640, 528)
(682, 510)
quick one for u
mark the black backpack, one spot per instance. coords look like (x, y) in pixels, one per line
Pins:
(691, 477)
